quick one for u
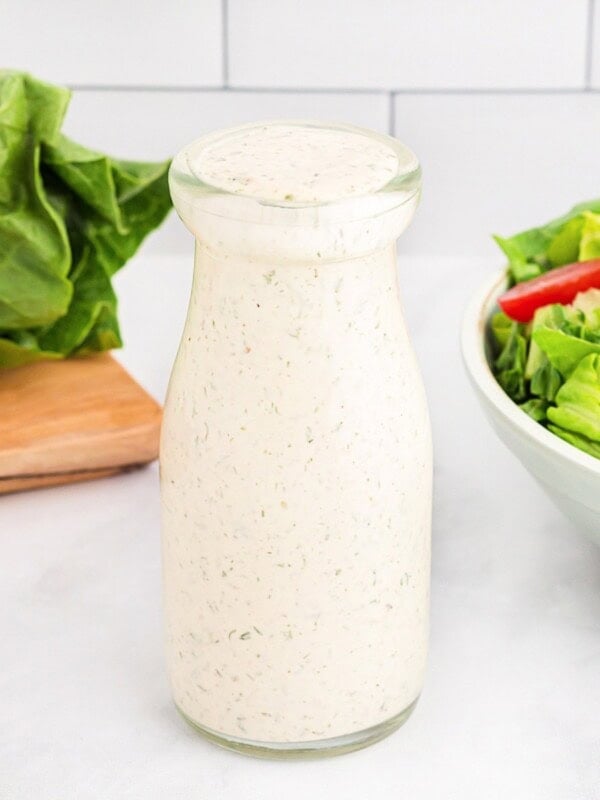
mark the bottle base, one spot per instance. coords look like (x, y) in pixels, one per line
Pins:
(320, 748)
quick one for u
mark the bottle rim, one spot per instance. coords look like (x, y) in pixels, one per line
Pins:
(192, 193)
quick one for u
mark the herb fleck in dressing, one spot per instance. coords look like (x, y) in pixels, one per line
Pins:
(296, 456)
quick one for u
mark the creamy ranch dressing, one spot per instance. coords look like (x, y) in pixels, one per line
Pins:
(303, 165)
(295, 460)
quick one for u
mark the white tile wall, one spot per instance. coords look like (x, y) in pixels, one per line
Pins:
(115, 42)
(594, 25)
(492, 94)
(154, 125)
(408, 43)
(497, 164)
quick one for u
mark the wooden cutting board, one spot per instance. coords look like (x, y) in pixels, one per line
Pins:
(73, 420)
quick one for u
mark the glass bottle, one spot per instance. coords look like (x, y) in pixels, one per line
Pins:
(296, 453)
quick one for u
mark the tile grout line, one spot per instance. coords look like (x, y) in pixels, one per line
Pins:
(81, 87)
(331, 90)
(225, 41)
(466, 91)
(589, 45)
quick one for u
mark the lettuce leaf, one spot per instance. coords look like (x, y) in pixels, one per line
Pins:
(546, 381)
(563, 350)
(554, 316)
(34, 247)
(578, 401)
(572, 237)
(536, 408)
(589, 245)
(577, 440)
(70, 218)
(501, 326)
(510, 364)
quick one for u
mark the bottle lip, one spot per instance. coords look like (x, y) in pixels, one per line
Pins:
(191, 193)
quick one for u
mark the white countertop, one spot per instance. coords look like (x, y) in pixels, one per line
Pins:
(511, 707)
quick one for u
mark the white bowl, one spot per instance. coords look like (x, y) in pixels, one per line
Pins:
(570, 477)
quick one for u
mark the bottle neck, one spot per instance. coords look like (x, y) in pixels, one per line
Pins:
(219, 273)
(315, 300)
(300, 236)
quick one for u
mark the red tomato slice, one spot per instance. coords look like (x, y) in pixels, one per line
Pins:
(556, 286)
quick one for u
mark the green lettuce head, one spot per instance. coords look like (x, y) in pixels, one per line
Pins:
(69, 219)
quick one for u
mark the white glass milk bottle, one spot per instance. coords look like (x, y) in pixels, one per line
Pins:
(296, 451)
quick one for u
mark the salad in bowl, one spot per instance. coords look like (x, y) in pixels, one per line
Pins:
(545, 337)
(531, 346)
